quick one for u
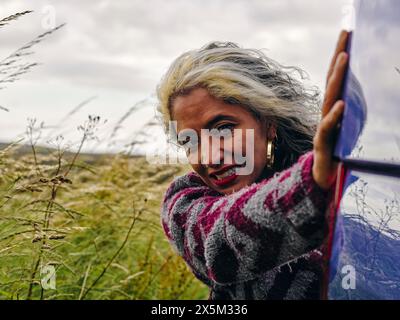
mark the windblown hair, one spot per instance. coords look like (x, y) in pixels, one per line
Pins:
(249, 78)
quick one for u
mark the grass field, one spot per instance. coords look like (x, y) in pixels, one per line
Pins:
(82, 226)
(93, 221)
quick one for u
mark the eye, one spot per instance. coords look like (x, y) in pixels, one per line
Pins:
(228, 126)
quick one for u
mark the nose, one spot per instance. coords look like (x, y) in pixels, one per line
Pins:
(215, 157)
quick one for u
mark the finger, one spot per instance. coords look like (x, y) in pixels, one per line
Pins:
(334, 86)
(328, 125)
(340, 46)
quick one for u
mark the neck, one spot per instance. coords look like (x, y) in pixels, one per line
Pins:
(265, 174)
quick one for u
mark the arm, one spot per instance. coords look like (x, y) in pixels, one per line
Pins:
(237, 237)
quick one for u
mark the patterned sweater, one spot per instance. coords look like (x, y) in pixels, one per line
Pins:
(260, 242)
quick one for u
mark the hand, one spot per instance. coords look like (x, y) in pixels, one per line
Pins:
(324, 167)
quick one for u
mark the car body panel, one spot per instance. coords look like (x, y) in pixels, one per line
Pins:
(371, 121)
(364, 224)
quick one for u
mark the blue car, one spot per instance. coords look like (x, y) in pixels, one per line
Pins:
(363, 246)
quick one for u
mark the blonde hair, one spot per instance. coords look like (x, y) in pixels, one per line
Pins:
(249, 78)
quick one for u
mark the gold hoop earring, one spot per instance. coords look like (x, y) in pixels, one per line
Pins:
(270, 154)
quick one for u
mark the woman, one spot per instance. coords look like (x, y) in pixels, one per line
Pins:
(254, 235)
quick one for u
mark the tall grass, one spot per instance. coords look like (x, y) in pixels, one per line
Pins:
(14, 65)
(95, 219)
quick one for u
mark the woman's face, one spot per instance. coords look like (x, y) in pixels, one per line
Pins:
(199, 110)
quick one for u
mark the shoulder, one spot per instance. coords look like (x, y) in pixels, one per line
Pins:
(188, 184)
(183, 190)
(186, 194)
(182, 182)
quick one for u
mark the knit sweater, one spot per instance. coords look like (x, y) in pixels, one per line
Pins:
(260, 242)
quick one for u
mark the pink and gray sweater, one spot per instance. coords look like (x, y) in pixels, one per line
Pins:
(261, 242)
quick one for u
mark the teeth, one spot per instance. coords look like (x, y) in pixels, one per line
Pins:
(226, 173)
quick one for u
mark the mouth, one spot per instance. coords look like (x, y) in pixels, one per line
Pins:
(226, 177)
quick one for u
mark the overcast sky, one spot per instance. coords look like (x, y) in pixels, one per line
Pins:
(117, 51)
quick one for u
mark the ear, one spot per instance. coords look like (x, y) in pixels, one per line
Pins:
(270, 129)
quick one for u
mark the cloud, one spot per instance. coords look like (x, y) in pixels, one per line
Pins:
(127, 45)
